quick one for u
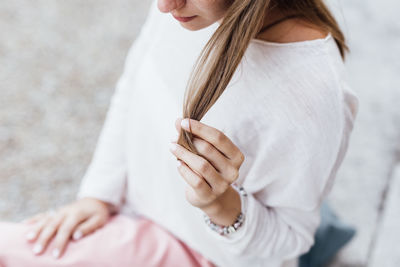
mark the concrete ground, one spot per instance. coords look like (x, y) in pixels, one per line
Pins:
(60, 60)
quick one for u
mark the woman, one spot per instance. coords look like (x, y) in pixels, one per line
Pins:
(270, 119)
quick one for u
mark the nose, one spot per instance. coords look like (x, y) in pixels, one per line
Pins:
(166, 6)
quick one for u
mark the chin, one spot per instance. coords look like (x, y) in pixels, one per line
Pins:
(191, 27)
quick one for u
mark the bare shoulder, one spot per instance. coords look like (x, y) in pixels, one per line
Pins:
(293, 30)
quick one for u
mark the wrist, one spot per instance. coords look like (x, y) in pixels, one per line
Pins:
(228, 228)
(108, 206)
(225, 210)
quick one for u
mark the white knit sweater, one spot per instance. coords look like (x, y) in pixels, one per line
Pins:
(288, 109)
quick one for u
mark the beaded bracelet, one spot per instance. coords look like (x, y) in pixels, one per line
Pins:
(225, 230)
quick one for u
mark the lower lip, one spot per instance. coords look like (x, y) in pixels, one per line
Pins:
(184, 19)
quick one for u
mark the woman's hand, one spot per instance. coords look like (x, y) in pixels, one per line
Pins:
(76, 220)
(211, 174)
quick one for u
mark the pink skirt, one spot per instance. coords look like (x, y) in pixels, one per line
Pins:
(123, 241)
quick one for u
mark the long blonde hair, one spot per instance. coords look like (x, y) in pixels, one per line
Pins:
(222, 54)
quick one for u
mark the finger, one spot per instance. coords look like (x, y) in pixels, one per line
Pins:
(201, 167)
(36, 228)
(202, 189)
(175, 138)
(219, 161)
(48, 232)
(198, 164)
(178, 124)
(215, 137)
(87, 227)
(64, 234)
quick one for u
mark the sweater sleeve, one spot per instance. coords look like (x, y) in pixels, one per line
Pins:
(288, 168)
(105, 177)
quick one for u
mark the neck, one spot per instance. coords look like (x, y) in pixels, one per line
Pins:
(271, 15)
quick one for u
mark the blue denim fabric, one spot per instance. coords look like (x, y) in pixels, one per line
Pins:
(331, 235)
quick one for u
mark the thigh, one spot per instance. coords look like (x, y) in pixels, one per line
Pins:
(123, 241)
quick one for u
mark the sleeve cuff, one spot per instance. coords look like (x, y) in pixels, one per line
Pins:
(115, 205)
(102, 189)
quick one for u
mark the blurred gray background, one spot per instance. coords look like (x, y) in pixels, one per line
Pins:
(59, 63)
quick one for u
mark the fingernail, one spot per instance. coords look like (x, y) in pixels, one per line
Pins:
(56, 253)
(179, 163)
(30, 235)
(172, 146)
(37, 248)
(185, 124)
(77, 235)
